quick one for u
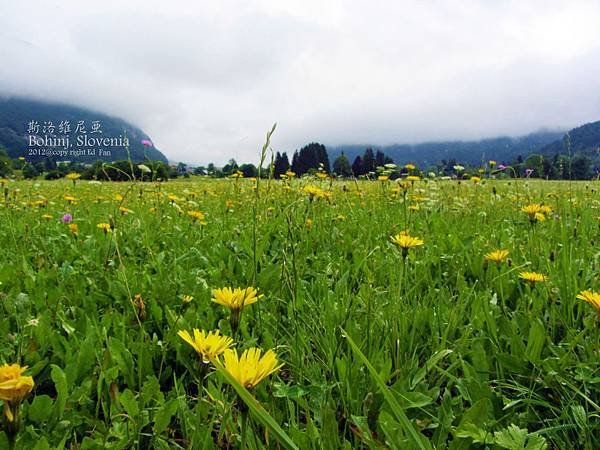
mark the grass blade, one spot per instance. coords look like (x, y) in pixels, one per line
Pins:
(259, 412)
(417, 439)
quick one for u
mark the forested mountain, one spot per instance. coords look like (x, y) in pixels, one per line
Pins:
(467, 152)
(17, 115)
(583, 140)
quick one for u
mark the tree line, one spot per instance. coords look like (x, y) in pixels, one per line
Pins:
(309, 159)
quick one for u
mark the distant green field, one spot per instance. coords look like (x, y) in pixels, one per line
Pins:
(428, 347)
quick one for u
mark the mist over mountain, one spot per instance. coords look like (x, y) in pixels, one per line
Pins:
(19, 115)
(583, 140)
(501, 149)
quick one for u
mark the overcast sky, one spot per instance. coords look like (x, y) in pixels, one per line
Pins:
(206, 80)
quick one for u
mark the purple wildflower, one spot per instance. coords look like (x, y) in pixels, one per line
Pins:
(67, 218)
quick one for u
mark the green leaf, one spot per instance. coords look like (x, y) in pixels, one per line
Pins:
(261, 414)
(60, 384)
(479, 436)
(407, 426)
(429, 364)
(40, 409)
(162, 418)
(129, 403)
(515, 438)
(535, 341)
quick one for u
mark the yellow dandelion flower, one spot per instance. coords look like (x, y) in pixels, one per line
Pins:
(383, 178)
(104, 227)
(207, 345)
(309, 223)
(532, 277)
(124, 210)
(74, 228)
(14, 387)
(187, 298)
(593, 298)
(475, 180)
(539, 217)
(497, 256)
(405, 241)
(197, 216)
(73, 176)
(250, 368)
(235, 299)
(69, 198)
(410, 167)
(412, 178)
(47, 216)
(532, 210)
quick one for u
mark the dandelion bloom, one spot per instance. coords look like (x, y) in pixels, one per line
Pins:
(69, 198)
(383, 178)
(74, 228)
(187, 298)
(47, 216)
(412, 178)
(250, 369)
(593, 298)
(13, 388)
(532, 277)
(124, 210)
(315, 192)
(197, 216)
(73, 176)
(404, 241)
(492, 163)
(207, 345)
(104, 227)
(497, 256)
(235, 299)
(410, 167)
(475, 179)
(535, 212)
(532, 210)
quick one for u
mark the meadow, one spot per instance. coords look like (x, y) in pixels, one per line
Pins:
(391, 322)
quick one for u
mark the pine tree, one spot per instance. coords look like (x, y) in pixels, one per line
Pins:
(379, 159)
(357, 167)
(368, 161)
(341, 166)
(281, 165)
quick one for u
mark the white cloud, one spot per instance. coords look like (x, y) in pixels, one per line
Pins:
(207, 79)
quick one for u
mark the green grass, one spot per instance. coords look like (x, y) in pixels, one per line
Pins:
(438, 350)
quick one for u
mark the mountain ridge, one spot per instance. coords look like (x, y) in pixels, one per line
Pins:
(19, 115)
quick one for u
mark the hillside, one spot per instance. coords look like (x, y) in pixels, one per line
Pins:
(583, 140)
(502, 149)
(17, 113)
